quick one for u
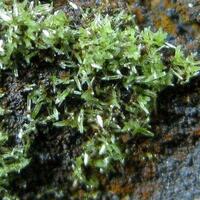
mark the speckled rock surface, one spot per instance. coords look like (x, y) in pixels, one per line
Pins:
(179, 178)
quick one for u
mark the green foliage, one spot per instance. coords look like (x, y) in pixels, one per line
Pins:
(26, 30)
(12, 161)
(113, 73)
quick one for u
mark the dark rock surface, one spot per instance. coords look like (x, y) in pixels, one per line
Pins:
(177, 173)
(179, 178)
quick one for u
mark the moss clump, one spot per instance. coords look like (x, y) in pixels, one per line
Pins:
(12, 160)
(111, 75)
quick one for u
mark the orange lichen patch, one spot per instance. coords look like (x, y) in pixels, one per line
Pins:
(116, 186)
(139, 15)
(196, 133)
(186, 12)
(121, 186)
(163, 21)
(160, 18)
(183, 11)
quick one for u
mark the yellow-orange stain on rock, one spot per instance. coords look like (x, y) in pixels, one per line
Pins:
(163, 21)
(119, 188)
(196, 133)
(160, 19)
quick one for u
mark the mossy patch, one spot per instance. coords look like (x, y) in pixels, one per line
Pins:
(104, 80)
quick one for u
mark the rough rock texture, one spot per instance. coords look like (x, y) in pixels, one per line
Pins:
(177, 170)
(179, 178)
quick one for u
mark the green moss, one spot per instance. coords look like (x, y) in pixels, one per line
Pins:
(12, 161)
(114, 73)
